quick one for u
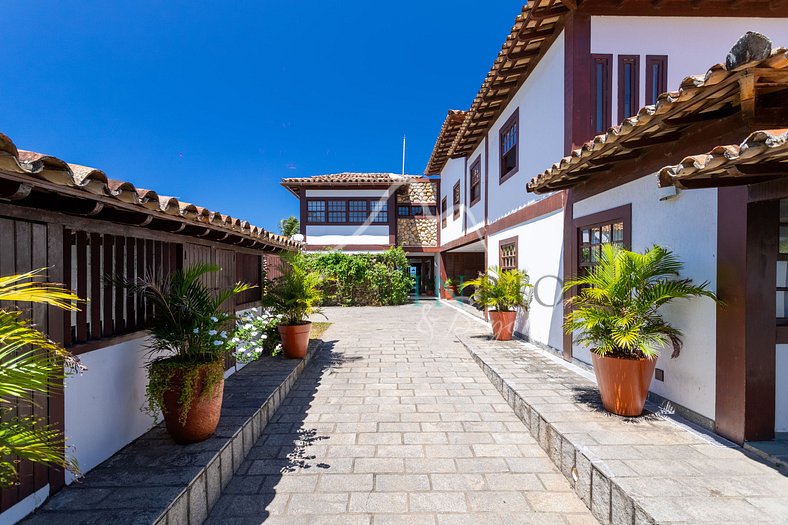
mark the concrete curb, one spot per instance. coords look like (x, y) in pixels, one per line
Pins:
(590, 478)
(193, 505)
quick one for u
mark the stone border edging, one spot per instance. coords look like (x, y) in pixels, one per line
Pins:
(608, 502)
(193, 505)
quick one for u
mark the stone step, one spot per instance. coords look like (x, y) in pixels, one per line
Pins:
(154, 480)
(632, 471)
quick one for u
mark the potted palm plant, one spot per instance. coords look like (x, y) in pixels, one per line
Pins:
(502, 293)
(616, 312)
(294, 296)
(30, 363)
(189, 340)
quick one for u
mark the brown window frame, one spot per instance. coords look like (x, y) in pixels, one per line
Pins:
(444, 210)
(781, 321)
(661, 81)
(621, 214)
(370, 210)
(513, 122)
(603, 96)
(634, 86)
(475, 176)
(456, 193)
(503, 243)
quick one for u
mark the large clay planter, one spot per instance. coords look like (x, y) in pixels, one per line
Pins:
(295, 339)
(204, 410)
(502, 325)
(623, 383)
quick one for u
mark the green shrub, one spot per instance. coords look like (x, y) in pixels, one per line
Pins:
(362, 279)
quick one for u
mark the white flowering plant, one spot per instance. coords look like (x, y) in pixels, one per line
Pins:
(256, 334)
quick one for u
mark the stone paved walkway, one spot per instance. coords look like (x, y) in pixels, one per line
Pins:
(393, 422)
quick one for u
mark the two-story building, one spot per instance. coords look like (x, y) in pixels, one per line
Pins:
(371, 212)
(567, 71)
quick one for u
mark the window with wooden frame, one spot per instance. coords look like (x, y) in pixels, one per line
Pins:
(656, 77)
(357, 211)
(417, 210)
(507, 254)
(337, 211)
(444, 211)
(380, 211)
(593, 231)
(403, 210)
(782, 266)
(628, 86)
(508, 138)
(476, 181)
(601, 94)
(456, 199)
(315, 211)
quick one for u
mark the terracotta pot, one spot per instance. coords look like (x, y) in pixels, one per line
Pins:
(295, 339)
(204, 411)
(502, 324)
(623, 383)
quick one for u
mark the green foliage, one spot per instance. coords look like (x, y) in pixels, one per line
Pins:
(189, 316)
(163, 375)
(616, 311)
(189, 328)
(296, 294)
(30, 363)
(362, 279)
(503, 291)
(256, 334)
(289, 226)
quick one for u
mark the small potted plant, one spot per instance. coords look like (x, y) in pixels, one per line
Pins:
(616, 313)
(189, 335)
(294, 296)
(502, 293)
(450, 289)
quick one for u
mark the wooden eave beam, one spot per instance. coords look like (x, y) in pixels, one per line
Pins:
(548, 12)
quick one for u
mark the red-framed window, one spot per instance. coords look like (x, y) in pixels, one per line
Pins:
(444, 211)
(476, 181)
(417, 210)
(656, 77)
(628, 86)
(347, 211)
(456, 199)
(601, 94)
(509, 138)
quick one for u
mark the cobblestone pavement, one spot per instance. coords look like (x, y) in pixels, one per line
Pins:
(393, 422)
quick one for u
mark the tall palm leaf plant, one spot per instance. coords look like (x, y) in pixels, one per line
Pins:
(616, 311)
(504, 291)
(30, 363)
(189, 338)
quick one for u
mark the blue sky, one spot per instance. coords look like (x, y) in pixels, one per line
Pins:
(214, 102)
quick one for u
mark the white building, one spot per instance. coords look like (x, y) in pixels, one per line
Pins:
(567, 72)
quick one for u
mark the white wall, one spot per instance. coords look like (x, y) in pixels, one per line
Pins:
(541, 139)
(475, 213)
(453, 171)
(348, 235)
(540, 253)
(687, 225)
(693, 44)
(781, 390)
(103, 405)
(328, 234)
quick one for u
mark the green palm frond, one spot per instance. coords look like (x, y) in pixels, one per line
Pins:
(502, 290)
(26, 287)
(184, 306)
(30, 363)
(616, 310)
(296, 294)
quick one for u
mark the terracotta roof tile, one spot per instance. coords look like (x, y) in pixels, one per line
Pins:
(728, 164)
(349, 178)
(34, 167)
(696, 95)
(534, 28)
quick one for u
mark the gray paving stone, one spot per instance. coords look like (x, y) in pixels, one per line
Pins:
(393, 425)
